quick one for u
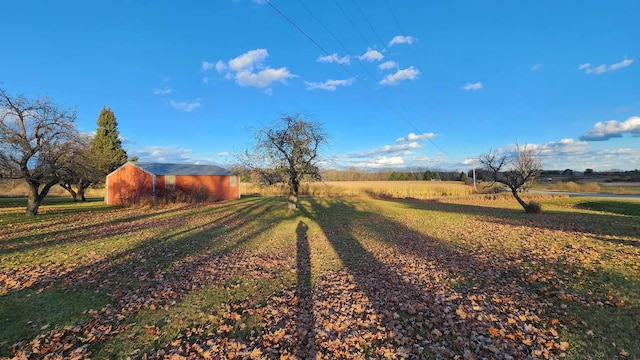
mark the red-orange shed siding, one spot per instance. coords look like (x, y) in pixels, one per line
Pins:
(131, 182)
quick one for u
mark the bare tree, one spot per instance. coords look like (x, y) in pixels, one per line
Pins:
(80, 170)
(517, 171)
(35, 137)
(288, 151)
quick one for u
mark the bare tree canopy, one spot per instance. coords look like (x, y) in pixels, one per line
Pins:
(287, 151)
(80, 170)
(35, 137)
(516, 171)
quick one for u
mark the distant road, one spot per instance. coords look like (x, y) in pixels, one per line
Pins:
(597, 195)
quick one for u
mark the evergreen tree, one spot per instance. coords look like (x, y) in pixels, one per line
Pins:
(106, 147)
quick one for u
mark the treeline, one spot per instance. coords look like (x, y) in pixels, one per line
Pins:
(393, 175)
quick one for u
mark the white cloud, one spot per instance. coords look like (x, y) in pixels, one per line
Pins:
(535, 67)
(263, 78)
(206, 66)
(249, 60)
(604, 68)
(605, 130)
(205, 80)
(167, 154)
(561, 147)
(469, 161)
(386, 150)
(414, 137)
(248, 69)
(221, 66)
(164, 91)
(400, 39)
(472, 87)
(334, 58)
(380, 162)
(330, 84)
(409, 73)
(223, 154)
(387, 65)
(187, 106)
(371, 55)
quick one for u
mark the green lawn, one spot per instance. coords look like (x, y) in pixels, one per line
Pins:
(342, 278)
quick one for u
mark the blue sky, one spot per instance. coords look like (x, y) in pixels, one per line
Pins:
(402, 84)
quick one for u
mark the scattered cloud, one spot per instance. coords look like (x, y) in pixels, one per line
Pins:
(561, 147)
(205, 80)
(263, 78)
(164, 91)
(334, 58)
(605, 130)
(329, 85)
(249, 60)
(385, 161)
(469, 161)
(223, 154)
(371, 55)
(589, 69)
(400, 39)
(166, 154)
(386, 150)
(414, 137)
(186, 106)
(387, 65)
(249, 69)
(221, 66)
(409, 73)
(206, 66)
(535, 67)
(472, 87)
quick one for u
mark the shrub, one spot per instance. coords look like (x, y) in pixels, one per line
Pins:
(534, 207)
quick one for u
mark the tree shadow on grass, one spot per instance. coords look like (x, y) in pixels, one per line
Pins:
(431, 295)
(588, 223)
(158, 271)
(91, 230)
(306, 348)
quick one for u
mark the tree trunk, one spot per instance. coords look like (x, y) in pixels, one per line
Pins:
(293, 196)
(35, 199)
(32, 200)
(81, 194)
(524, 205)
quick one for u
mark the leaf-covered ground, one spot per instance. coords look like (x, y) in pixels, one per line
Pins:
(343, 278)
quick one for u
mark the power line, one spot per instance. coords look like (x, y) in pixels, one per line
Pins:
(368, 22)
(394, 110)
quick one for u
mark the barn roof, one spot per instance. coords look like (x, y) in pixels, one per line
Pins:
(182, 169)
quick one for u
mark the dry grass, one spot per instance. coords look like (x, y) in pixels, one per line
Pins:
(18, 188)
(377, 189)
(590, 187)
(342, 278)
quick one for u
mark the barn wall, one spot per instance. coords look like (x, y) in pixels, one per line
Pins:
(128, 184)
(218, 187)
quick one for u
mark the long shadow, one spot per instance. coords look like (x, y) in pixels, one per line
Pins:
(417, 295)
(588, 223)
(305, 348)
(95, 231)
(130, 278)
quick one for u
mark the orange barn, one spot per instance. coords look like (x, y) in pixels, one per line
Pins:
(134, 181)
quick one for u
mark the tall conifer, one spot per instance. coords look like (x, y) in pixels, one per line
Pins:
(106, 147)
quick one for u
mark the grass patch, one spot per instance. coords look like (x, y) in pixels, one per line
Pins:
(24, 314)
(248, 276)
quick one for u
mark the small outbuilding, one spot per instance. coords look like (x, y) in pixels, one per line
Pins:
(135, 181)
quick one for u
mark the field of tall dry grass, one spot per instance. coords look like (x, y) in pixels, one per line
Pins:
(377, 189)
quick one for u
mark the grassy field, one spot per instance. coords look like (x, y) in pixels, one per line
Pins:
(343, 278)
(379, 189)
